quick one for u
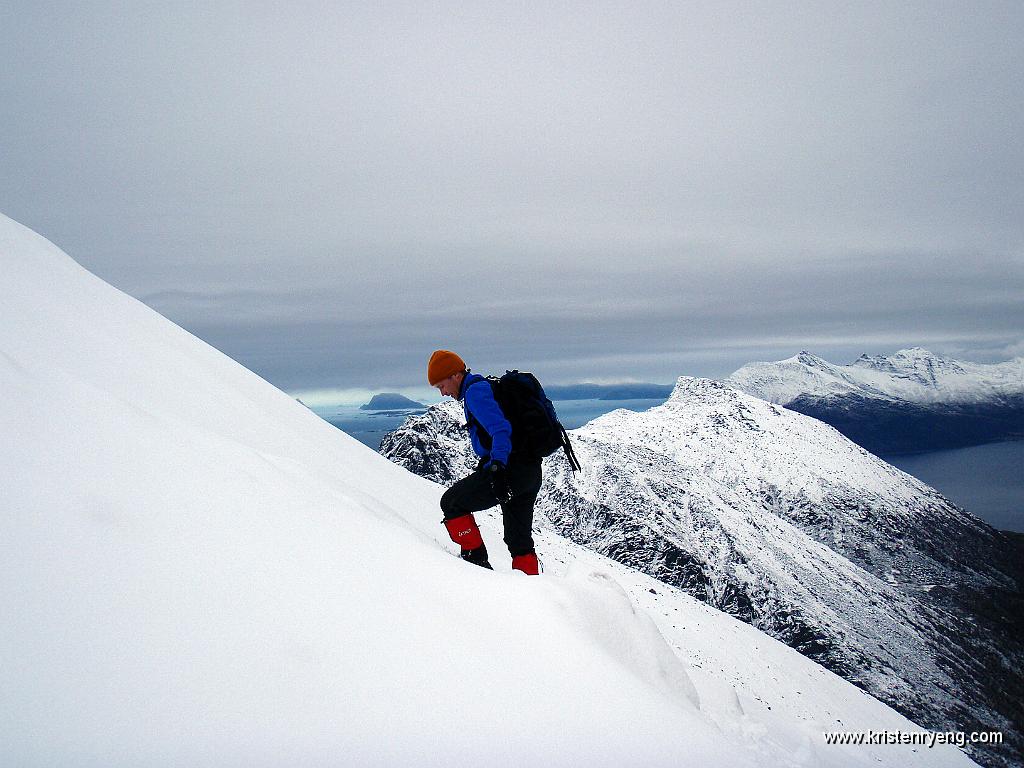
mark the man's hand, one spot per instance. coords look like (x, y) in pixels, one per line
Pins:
(499, 482)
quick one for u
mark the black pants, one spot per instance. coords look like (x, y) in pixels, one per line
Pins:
(473, 493)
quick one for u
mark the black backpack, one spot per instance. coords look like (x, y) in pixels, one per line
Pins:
(536, 430)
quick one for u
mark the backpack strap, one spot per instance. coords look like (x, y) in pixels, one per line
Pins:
(570, 454)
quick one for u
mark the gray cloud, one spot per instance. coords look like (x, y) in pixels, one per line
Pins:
(645, 320)
(328, 191)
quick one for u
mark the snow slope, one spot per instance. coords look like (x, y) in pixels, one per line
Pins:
(197, 570)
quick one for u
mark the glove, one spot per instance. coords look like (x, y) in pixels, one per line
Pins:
(499, 482)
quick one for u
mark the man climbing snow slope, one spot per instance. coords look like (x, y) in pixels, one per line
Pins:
(510, 478)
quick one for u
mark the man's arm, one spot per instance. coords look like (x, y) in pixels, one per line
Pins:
(485, 409)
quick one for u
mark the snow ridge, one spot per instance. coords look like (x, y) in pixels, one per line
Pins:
(912, 375)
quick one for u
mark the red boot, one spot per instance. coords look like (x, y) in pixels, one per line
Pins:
(528, 564)
(466, 534)
(464, 531)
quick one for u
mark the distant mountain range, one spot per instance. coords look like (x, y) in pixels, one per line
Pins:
(908, 402)
(779, 520)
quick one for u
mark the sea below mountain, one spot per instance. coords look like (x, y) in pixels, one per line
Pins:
(985, 479)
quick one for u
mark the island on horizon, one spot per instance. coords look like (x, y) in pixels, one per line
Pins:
(391, 401)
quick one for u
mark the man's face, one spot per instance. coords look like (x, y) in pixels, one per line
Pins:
(450, 387)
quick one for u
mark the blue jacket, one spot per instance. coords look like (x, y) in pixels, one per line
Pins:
(484, 414)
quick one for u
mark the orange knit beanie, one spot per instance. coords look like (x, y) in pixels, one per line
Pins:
(442, 365)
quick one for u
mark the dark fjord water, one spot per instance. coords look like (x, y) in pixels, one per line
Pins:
(986, 480)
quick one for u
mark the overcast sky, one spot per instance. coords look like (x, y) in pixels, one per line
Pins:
(328, 191)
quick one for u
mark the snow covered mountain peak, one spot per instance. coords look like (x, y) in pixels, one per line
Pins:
(910, 375)
(912, 400)
(920, 355)
(915, 363)
(688, 387)
(806, 358)
(710, 426)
